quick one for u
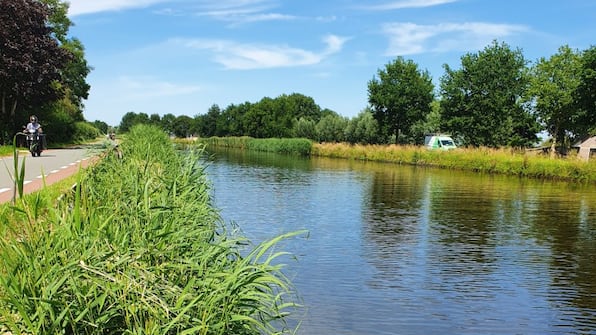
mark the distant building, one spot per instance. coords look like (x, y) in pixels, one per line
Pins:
(587, 148)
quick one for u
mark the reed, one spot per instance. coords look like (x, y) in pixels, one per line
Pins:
(138, 248)
(292, 146)
(483, 160)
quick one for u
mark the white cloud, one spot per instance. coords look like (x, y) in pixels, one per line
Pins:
(410, 38)
(78, 7)
(406, 4)
(220, 8)
(147, 87)
(243, 56)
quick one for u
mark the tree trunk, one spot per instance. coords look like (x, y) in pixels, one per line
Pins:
(553, 146)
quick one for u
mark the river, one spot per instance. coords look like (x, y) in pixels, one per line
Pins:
(408, 250)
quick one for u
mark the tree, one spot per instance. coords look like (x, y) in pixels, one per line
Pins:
(131, 118)
(31, 62)
(233, 116)
(553, 87)
(183, 126)
(331, 128)
(481, 104)
(586, 94)
(305, 128)
(101, 126)
(167, 123)
(363, 129)
(76, 70)
(400, 97)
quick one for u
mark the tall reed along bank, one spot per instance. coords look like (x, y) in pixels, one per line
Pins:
(137, 248)
(481, 160)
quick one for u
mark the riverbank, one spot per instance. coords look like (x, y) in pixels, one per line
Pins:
(136, 247)
(480, 160)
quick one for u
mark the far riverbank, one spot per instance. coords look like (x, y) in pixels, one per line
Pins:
(480, 160)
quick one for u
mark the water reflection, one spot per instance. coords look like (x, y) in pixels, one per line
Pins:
(406, 250)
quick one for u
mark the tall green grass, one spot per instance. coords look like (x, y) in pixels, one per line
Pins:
(138, 248)
(292, 146)
(483, 160)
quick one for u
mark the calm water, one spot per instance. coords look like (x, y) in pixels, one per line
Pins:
(403, 250)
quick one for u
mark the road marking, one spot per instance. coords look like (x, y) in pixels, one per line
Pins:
(4, 189)
(54, 171)
(26, 182)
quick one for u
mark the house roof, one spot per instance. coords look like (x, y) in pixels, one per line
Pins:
(590, 142)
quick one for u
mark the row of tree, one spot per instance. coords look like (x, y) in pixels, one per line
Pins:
(43, 71)
(494, 99)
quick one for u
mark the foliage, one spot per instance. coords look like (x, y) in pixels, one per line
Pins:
(482, 160)
(293, 146)
(481, 104)
(331, 128)
(400, 97)
(585, 123)
(363, 129)
(138, 249)
(31, 62)
(554, 83)
(485, 103)
(305, 128)
(85, 131)
(101, 126)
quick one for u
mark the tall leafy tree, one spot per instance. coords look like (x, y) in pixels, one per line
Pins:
(363, 128)
(586, 94)
(400, 96)
(331, 128)
(554, 84)
(76, 70)
(31, 62)
(482, 103)
(167, 123)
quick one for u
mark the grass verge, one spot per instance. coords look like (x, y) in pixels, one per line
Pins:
(137, 248)
(483, 160)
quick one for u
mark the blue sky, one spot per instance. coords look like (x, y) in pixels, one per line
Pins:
(182, 56)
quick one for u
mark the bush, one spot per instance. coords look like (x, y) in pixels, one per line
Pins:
(85, 131)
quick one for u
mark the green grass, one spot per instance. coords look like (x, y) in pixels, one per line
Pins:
(482, 160)
(292, 146)
(137, 248)
(5, 150)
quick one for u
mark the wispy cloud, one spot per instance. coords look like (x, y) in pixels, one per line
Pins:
(147, 87)
(410, 38)
(222, 9)
(402, 4)
(78, 7)
(243, 56)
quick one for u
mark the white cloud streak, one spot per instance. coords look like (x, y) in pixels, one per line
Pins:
(218, 9)
(410, 38)
(403, 4)
(239, 56)
(147, 87)
(79, 7)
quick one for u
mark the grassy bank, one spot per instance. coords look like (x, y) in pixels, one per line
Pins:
(483, 160)
(292, 146)
(137, 248)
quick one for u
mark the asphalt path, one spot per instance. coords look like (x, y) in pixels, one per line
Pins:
(53, 165)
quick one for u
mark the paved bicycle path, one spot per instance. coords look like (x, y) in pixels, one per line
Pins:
(53, 165)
